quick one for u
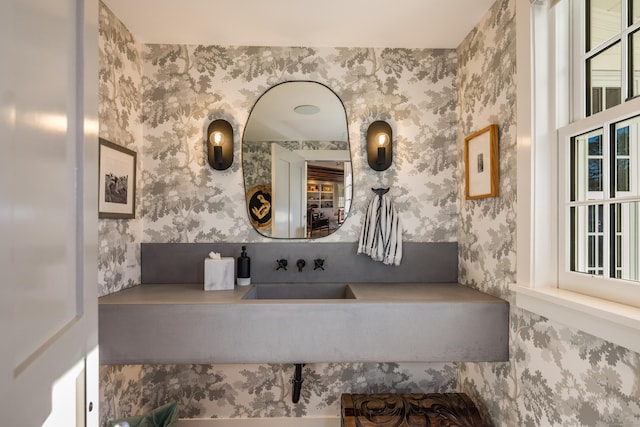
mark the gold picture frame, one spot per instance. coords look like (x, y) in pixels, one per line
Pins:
(481, 163)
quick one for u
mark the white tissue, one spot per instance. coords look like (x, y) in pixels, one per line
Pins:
(214, 255)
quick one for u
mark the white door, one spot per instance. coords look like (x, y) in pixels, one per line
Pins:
(288, 193)
(48, 218)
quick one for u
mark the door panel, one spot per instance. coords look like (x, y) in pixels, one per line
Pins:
(48, 217)
(288, 193)
(297, 198)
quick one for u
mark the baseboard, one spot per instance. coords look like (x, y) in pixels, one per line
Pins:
(261, 422)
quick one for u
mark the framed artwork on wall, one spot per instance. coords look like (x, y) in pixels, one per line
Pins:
(117, 181)
(481, 163)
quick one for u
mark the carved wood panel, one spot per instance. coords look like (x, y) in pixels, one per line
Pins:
(409, 410)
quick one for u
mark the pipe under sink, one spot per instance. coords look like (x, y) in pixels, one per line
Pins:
(305, 291)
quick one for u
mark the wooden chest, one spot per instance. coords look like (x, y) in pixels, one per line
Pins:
(409, 410)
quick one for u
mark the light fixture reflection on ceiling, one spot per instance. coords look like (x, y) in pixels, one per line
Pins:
(307, 109)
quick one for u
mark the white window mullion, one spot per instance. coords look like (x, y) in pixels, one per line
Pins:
(629, 248)
(634, 176)
(626, 90)
(582, 239)
(633, 252)
(607, 183)
(632, 247)
(578, 46)
(606, 246)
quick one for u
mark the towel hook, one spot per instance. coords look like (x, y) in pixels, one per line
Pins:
(380, 191)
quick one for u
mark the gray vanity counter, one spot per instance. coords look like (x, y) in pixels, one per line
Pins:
(400, 322)
(364, 292)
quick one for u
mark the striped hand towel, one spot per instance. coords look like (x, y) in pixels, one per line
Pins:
(381, 234)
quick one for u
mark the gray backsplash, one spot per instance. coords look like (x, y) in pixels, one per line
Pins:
(184, 262)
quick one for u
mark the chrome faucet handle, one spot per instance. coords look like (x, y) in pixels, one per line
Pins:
(301, 263)
(318, 263)
(282, 264)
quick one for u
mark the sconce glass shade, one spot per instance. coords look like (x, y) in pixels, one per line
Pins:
(220, 144)
(379, 145)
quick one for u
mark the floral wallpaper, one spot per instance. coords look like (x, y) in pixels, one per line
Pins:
(119, 91)
(185, 87)
(259, 391)
(556, 376)
(256, 164)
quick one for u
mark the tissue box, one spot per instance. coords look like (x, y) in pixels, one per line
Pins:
(218, 274)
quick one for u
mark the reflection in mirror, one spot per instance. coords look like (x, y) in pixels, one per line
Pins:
(296, 161)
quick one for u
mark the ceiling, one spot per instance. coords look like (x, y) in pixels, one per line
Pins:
(325, 23)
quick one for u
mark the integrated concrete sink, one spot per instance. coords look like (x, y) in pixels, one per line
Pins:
(370, 322)
(296, 291)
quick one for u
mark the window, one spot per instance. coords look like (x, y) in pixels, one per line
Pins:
(600, 207)
(612, 52)
(599, 218)
(577, 184)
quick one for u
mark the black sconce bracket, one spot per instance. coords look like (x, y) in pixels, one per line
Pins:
(220, 156)
(379, 156)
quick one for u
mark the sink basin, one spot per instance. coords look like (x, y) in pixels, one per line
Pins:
(290, 291)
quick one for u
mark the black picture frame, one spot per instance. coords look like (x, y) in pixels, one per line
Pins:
(116, 181)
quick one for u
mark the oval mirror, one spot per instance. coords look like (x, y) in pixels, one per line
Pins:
(296, 161)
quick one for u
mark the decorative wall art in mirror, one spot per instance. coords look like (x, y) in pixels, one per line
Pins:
(296, 161)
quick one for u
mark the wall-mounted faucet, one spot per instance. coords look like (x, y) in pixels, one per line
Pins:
(282, 264)
(318, 263)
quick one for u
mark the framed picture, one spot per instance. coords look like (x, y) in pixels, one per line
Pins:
(117, 181)
(259, 198)
(481, 163)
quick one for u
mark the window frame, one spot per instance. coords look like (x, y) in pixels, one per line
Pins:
(546, 101)
(618, 290)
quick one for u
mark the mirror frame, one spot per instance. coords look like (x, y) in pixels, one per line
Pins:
(250, 193)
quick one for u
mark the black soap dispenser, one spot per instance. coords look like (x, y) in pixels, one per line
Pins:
(244, 268)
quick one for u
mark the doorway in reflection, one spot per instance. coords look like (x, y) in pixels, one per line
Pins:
(327, 198)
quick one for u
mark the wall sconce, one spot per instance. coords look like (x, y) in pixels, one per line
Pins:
(379, 145)
(220, 144)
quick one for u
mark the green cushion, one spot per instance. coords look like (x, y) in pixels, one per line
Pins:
(164, 416)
